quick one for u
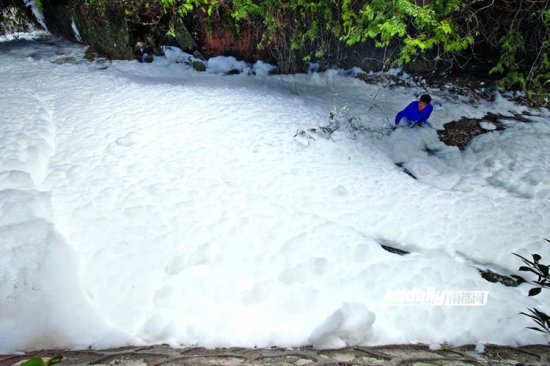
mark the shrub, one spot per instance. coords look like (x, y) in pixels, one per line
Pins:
(540, 270)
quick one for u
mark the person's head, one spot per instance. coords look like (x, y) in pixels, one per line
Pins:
(424, 101)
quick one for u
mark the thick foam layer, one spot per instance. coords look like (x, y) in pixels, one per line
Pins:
(182, 208)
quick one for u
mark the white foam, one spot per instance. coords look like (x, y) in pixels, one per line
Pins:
(15, 179)
(348, 326)
(261, 68)
(169, 206)
(480, 348)
(488, 126)
(176, 55)
(37, 13)
(131, 138)
(225, 64)
(75, 31)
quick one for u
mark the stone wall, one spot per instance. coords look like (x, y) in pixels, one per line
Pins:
(106, 32)
(57, 18)
(111, 33)
(15, 17)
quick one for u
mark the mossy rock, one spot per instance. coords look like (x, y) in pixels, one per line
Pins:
(183, 38)
(460, 133)
(105, 30)
(15, 17)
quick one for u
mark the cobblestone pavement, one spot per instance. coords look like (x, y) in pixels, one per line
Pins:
(402, 355)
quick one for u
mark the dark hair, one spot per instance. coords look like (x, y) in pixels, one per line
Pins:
(426, 99)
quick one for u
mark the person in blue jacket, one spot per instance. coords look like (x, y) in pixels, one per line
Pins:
(417, 112)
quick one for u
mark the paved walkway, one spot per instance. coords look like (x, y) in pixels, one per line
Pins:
(407, 355)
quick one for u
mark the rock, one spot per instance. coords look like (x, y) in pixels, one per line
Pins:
(409, 354)
(428, 63)
(216, 38)
(148, 58)
(64, 60)
(198, 55)
(460, 133)
(90, 54)
(144, 52)
(233, 72)
(157, 51)
(15, 17)
(198, 66)
(139, 48)
(58, 19)
(365, 55)
(107, 34)
(496, 277)
(183, 37)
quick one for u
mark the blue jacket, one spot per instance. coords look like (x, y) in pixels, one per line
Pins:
(412, 115)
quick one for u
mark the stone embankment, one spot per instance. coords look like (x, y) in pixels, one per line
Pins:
(398, 355)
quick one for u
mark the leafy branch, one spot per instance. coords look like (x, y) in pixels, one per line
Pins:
(540, 318)
(537, 268)
(540, 270)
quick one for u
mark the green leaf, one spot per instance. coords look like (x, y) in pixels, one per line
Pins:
(35, 361)
(518, 279)
(54, 360)
(525, 269)
(171, 31)
(535, 291)
(537, 329)
(445, 27)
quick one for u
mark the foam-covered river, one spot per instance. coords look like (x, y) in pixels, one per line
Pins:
(150, 203)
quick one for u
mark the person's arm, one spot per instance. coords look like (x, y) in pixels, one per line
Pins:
(403, 113)
(398, 117)
(425, 114)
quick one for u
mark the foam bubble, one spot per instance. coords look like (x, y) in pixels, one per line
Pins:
(350, 325)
